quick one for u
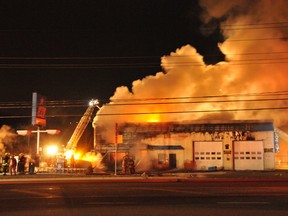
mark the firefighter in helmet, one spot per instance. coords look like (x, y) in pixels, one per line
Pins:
(5, 163)
(131, 165)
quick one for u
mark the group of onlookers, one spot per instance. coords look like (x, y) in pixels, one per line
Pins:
(11, 165)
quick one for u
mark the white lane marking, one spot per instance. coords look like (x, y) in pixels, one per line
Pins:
(244, 203)
(40, 194)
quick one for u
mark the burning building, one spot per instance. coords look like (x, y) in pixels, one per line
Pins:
(197, 145)
(248, 88)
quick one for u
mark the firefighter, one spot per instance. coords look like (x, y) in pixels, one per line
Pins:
(21, 163)
(5, 163)
(124, 165)
(131, 166)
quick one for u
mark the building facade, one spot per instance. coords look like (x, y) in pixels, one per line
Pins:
(209, 145)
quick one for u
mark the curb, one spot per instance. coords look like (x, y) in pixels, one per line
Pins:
(134, 179)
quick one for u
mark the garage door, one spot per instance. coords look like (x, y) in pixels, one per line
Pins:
(248, 155)
(208, 154)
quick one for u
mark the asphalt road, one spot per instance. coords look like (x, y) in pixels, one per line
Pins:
(94, 197)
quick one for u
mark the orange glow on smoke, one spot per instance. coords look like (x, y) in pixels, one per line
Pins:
(94, 159)
(153, 118)
(77, 156)
(251, 68)
(68, 155)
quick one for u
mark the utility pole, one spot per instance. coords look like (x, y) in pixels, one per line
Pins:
(116, 148)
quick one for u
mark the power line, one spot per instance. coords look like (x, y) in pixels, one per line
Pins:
(256, 39)
(262, 94)
(149, 103)
(77, 66)
(152, 113)
(232, 54)
(77, 57)
(195, 111)
(249, 26)
(54, 106)
(256, 59)
(195, 102)
(117, 62)
(84, 103)
(254, 28)
(128, 57)
(256, 24)
(279, 60)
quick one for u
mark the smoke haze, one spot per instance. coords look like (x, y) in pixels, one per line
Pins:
(7, 136)
(256, 63)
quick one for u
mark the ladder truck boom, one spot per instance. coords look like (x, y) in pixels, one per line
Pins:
(81, 126)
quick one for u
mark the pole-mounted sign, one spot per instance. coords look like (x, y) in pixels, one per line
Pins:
(38, 131)
(38, 110)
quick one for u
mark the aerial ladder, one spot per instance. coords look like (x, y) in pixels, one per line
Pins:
(81, 126)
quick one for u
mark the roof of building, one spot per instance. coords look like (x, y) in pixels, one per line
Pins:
(197, 126)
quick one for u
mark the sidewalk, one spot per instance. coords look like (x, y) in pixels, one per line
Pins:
(275, 175)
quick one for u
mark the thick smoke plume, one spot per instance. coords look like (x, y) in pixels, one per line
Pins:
(7, 137)
(256, 64)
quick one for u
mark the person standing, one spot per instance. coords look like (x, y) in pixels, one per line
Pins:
(37, 162)
(21, 163)
(31, 167)
(5, 163)
(12, 165)
(131, 165)
(124, 165)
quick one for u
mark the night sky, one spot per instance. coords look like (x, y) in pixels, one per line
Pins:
(78, 50)
(85, 49)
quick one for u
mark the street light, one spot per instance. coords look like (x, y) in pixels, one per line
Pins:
(52, 150)
(38, 131)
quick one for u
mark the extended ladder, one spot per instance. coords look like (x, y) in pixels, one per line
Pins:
(79, 130)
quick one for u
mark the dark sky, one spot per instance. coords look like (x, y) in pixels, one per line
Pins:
(78, 50)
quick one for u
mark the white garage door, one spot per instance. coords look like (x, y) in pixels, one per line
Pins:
(208, 154)
(248, 155)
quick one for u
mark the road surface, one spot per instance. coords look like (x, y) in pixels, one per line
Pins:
(139, 198)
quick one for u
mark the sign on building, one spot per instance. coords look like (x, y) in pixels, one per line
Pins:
(38, 110)
(276, 142)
